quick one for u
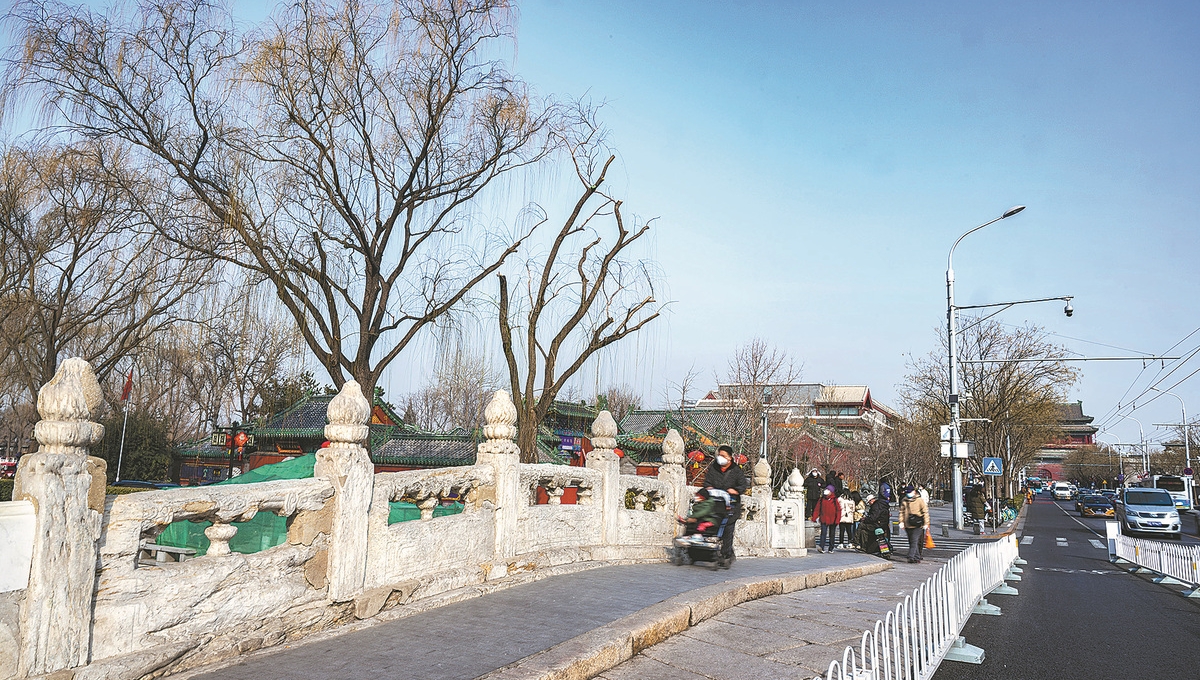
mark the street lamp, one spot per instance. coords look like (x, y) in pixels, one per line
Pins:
(1187, 451)
(1142, 440)
(952, 323)
(1114, 436)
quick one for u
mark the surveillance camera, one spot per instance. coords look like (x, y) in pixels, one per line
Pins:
(1068, 310)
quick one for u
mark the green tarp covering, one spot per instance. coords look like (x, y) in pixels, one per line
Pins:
(266, 529)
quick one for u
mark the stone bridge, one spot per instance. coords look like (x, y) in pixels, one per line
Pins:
(77, 599)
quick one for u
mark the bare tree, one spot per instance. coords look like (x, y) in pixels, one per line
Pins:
(335, 152)
(1013, 407)
(461, 388)
(90, 276)
(753, 369)
(581, 296)
(619, 401)
(682, 388)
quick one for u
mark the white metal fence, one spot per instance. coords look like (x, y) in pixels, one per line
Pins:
(1174, 560)
(912, 640)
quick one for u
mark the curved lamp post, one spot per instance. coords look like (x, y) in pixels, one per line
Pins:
(952, 326)
(1187, 450)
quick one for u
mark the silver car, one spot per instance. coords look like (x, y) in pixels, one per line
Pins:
(1147, 510)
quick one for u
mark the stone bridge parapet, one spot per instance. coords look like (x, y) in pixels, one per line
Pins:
(94, 603)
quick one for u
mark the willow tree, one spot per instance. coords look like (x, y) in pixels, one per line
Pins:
(336, 152)
(1016, 379)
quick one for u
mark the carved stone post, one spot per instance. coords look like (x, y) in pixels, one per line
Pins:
(761, 481)
(672, 471)
(602, 458)
(347, 466)
(501, 452)
(56, 615)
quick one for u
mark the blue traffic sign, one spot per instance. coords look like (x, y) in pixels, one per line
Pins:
(993, 466)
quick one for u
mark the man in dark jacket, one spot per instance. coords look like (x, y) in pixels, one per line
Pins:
(814, 485)
(730, 478)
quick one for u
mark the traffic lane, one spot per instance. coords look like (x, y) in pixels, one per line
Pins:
(1096, 524)
(1078, 616)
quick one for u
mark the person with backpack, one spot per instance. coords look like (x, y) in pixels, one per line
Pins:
(914, 515)
(828, 513)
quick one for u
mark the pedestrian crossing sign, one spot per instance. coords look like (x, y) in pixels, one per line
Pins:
(993, 466)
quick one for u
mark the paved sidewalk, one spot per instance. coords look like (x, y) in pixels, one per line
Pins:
(783, 636)
(467, 639)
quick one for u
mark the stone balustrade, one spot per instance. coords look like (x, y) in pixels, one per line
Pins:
(90, 602)
(646, 493)
(556, 479)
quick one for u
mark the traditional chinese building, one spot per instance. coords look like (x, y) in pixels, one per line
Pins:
(1076, 431)
(393, 445)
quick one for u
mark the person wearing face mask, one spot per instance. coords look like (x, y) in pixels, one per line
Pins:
(914, 515)
(730, 478)
(828, 514)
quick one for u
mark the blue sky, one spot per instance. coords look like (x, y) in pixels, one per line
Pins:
(811, 164)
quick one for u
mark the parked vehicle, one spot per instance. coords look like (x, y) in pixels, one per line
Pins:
(1095, 505)
(1147, 510)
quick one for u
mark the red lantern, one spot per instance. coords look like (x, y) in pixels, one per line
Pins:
(239, 439)
(619, 452)
(697, 456)
(740, 458)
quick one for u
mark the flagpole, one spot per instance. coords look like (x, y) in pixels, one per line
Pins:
(121, 452)
(125, 394)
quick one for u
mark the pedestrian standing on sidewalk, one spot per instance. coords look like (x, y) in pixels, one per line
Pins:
(814, 486)
(914, 515)
(828, 514)
(846, 525)
(860, 511)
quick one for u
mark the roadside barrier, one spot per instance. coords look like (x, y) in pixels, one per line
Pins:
(1175, 564)
(923, 630)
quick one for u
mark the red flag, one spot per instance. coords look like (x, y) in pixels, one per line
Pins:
(125, 391)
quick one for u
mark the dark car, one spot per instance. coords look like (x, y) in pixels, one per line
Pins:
(1095, 505)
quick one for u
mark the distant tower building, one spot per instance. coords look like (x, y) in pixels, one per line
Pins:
(1077, 432)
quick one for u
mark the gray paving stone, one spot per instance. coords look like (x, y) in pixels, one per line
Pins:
(644, 668)
(713, 661)
(814, 658)
(467, 639)
(758, 642)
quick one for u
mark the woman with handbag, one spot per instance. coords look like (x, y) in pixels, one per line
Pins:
(914, 515)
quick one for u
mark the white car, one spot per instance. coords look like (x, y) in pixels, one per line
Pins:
(1061, 491)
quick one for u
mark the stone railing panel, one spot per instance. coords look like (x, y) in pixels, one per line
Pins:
(135, 517)
(237, 597)
(554, 479)
(426, 488)
(645, 493)
(450, 548)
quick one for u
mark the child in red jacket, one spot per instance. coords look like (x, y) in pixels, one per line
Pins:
(829, 513)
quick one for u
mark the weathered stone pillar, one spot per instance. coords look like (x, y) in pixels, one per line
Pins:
(672, 471)
(761, 481)
(602, 458)
(56, 615)
(347, 466)
(501, 452)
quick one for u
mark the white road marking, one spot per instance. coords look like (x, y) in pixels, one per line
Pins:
(1026, 540)
(1061, 544)
(1097, 544)
(1078, 571)
(1060, 538)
